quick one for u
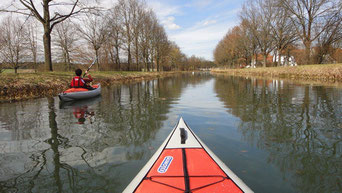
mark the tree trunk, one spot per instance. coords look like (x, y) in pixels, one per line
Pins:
(35, 62)
(145, 59)
(157, 61)
(117, 60)
(287, 62)
(129, 56)
(307, 44)
(47, 35)
(97, 61)
(279, 58)
(47, 48)
(68, 60)
(152, 62)
(137, 54)
(147, 66)
(265, 60)
(65, 60)
(255, 62)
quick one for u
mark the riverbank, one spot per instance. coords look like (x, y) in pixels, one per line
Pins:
(22, 86)
(323, 73)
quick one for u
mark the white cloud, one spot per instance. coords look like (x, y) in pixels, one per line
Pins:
(208, 22)
(164, 10)
(202, 38)
(169, 24)
(166, 14)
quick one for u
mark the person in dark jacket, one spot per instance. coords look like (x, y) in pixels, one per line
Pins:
(79, 82)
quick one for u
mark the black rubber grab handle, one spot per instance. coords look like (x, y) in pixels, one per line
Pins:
(182, 135)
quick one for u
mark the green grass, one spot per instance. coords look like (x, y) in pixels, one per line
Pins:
(9, 78)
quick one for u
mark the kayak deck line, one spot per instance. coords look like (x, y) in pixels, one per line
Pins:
(211, 176)
(183, 163)
(185, 167)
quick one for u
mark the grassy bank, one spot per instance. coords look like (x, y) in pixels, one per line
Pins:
(324, 73)
(26, 85)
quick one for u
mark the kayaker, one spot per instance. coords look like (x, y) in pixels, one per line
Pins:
(79, 82)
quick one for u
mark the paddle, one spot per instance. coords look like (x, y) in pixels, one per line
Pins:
(91, 65)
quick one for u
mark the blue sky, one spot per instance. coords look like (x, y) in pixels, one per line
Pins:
(197, 25)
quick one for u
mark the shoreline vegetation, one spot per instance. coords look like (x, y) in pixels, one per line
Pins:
(331, 73)
(28, 85)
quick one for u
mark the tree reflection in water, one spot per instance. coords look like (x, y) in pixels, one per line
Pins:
(299, 125)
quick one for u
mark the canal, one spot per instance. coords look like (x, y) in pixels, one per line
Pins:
(277, 136)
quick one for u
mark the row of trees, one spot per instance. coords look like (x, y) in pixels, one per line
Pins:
(309, 30)
(127, 36)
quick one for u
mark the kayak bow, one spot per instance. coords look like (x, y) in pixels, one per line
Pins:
(183, 163)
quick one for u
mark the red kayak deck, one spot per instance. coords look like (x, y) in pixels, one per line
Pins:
(183, 163)
(70, 90)
(204, 175)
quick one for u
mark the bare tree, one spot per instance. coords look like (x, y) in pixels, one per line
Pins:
(13, 38)
(220, 52)
(161, 45)
(176, 59)
(135, 31)
(311, 19)
(138, 10)
(66, 39)
(1, 59)
(247, 43)
(146, 40)
(115, 39)
(49, 15)
(126, 15)
(265, 14)
(250, 20)
(283, 31)
(94, 30)
(327, 39)
(32, 37)
(232, 48)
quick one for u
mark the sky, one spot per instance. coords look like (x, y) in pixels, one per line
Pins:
(197, 25)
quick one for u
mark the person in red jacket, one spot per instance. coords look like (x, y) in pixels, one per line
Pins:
(79, 82)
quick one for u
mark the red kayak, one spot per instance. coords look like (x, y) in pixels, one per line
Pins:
(183, 163)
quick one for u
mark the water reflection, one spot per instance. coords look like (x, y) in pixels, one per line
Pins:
(81, 110)
(55, 141)
(300, 127)
(43, 150)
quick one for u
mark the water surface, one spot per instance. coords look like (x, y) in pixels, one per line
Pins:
(276, 136)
